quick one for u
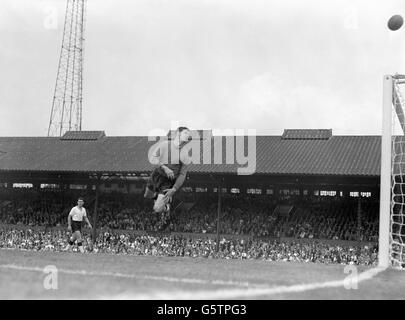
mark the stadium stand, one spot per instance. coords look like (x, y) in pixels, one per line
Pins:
(313, 197)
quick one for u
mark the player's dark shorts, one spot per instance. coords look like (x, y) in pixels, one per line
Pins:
(76, 226)
(158, 181)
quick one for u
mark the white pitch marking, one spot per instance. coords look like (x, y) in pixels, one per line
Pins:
(138, 277)
(242, 293)
(250, 290)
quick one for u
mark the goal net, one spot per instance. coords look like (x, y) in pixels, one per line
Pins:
(392, 197)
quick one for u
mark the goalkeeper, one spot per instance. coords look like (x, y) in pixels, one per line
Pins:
(168, 175)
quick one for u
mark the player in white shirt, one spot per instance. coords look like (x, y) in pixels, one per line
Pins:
(75, 219)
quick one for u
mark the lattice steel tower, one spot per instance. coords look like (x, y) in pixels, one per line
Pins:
(66, 113)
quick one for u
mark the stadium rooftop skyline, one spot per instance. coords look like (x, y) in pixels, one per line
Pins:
(300, 152)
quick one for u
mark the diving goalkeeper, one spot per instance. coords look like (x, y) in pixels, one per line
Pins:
(170, 171)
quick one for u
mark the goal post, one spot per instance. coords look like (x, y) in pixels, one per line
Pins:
(385, 178)
(392, 184)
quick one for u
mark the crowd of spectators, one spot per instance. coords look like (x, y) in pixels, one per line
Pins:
(251, 216)
(331, 220)
(182, 246)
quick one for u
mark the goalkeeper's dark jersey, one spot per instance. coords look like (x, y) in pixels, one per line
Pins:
(171, 156)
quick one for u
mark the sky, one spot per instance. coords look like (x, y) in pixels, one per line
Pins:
(267, 65)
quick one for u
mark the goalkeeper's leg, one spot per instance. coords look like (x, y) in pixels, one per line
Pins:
(150, 194)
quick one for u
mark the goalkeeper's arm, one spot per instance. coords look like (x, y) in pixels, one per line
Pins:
(179, 182)
(181, 178)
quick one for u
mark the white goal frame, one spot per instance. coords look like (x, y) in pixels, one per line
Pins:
(386, 200)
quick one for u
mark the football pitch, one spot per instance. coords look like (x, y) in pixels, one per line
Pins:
(108, 276)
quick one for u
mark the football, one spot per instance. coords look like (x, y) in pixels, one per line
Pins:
(395, 22)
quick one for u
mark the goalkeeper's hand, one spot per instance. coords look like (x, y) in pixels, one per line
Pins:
(70, 228)
(169, 172)
(169, 193)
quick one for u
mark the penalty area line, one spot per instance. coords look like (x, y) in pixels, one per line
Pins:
(247, 293)
(136, 277)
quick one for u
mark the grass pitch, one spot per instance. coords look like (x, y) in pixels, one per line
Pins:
(108, 276)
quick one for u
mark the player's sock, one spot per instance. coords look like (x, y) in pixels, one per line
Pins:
(80, 245)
